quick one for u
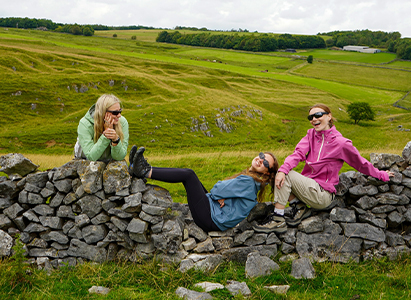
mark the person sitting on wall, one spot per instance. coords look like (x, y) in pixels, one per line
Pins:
(324, 151)
(103, 131)
(228, 202)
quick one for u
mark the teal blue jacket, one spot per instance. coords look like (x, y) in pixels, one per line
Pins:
(240, 196)
(102, 150)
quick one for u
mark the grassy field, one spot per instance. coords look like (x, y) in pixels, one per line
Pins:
(381, 279)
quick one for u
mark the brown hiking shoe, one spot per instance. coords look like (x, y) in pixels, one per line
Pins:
(299, 212)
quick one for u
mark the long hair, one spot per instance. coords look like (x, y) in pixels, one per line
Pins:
(266, 180)
(324, 108)
(102, 105)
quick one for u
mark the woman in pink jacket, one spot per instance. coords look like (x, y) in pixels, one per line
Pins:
(324, 151)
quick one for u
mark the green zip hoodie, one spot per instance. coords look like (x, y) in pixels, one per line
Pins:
(102, 150)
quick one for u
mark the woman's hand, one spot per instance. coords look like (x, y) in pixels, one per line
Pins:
(279, 180)
(390, 174)
(110, 134)
(221, 201)
(108, 121)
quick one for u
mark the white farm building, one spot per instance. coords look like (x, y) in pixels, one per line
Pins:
(363, 49)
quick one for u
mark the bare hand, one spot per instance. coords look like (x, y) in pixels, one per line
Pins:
(108, 121)
(110, 134)
(279, 180)
(390, 174)
(221, 201)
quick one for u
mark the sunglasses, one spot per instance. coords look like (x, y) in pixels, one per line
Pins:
(317, 115)
(115, 112)
(265, 162)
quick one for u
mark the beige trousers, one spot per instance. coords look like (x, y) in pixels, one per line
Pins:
(305, 189)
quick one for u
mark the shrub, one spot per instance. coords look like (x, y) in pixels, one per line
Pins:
(310, 59)
(115, 35)
(133, 37)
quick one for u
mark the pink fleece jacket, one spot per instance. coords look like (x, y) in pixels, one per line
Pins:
(324, 153)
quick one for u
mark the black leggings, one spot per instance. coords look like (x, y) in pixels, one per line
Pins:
(196, 194)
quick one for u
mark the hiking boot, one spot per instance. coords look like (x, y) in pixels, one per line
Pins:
(140, 165)
(131, 159)
(259, 212)
(273, 223)
(299, 212)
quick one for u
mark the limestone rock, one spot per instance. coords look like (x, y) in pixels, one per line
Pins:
(257, 265)
(302, 268)
(16, 163)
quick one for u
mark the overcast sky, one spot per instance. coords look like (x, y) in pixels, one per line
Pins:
(278, 16)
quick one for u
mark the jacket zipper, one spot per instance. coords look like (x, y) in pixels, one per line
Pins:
(322, 144)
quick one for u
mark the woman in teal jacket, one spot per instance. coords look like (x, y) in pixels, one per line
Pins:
(229, 201)
(103, 131)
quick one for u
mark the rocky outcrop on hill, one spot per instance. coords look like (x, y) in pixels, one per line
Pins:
(96, 211)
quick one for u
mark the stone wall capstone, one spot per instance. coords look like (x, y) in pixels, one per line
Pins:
(94, 211)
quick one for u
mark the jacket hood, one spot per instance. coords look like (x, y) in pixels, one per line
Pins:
(90, 114)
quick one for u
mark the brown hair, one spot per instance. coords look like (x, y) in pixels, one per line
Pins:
(324, 108)
(102, 105)
(264, 179)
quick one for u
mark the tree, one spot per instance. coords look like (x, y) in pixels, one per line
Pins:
(76, 30)
(115, 35)
(360, 111)
(87, 31)
(310, 59)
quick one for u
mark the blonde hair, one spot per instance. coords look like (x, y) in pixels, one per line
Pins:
(102, 105)
(266, 180)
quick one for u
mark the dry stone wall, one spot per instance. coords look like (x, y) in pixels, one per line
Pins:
(95, 211)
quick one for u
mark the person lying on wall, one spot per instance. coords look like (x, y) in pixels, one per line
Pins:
(228, 202)
(103, 131)
(324, 151)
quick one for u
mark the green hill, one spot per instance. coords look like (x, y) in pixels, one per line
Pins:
(171, 92)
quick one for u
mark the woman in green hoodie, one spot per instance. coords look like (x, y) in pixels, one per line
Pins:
(103, 131)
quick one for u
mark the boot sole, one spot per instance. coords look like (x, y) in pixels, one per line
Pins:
(297, 222)
(267, 230)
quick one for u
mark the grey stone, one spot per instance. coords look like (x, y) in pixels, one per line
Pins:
(404, 200)
(239, 239)
(342, 215)
(43, 210)
(397, 178)
(256, 239)
(384, 188)
(107, 205)
(39, 252)
(16, 163)
(209, 263)
(189, 244)
(65, 212)
(157, 196)
(56, 236)
(287, 248)
(273, 239)
(388, 198)
(396, 189)
(94, 233)
(137, 226)
(239, 254)
(46, 193)
(343, 185)
(278, 289)
(5, 222)
(197, 232)
(31, 216)
(21, 225)
(206, 246)
(116, 177)
(384, 161)
(331, 227)
(406, 182)
(137, 186)
(406, 153)
(302, 268)
(154, 210)
(35, 199)
(6, 244)
(70, 198)
(367, 202)
(209, 286)
(364, 231)
(119, 213)
(57, 200)
(92, 176)
(32, 188)
(81, 220)
(8, 189)
(63, 186)
(13, 211)
(236, 288)
(290, 236)
(100, 218)
(123, 193)
(67, 226)
(132, 203)
(5, 202)
(372, 220)
(52, 222)
(64, 172)
(359, 190)
(119, 223)
(394, 219)
(149, 218)
(90, 205)
(393, 239)
(257, 265)
(98, 290)
(81, 249)
(38, 243)
(143, 238)
(58, 246)
(322, 247)
(185, 265)
(192, 295)
(312, 224)
(407, 171)
(383, 209)
(225, 242)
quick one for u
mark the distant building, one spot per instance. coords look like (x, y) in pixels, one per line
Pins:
(362, 49)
